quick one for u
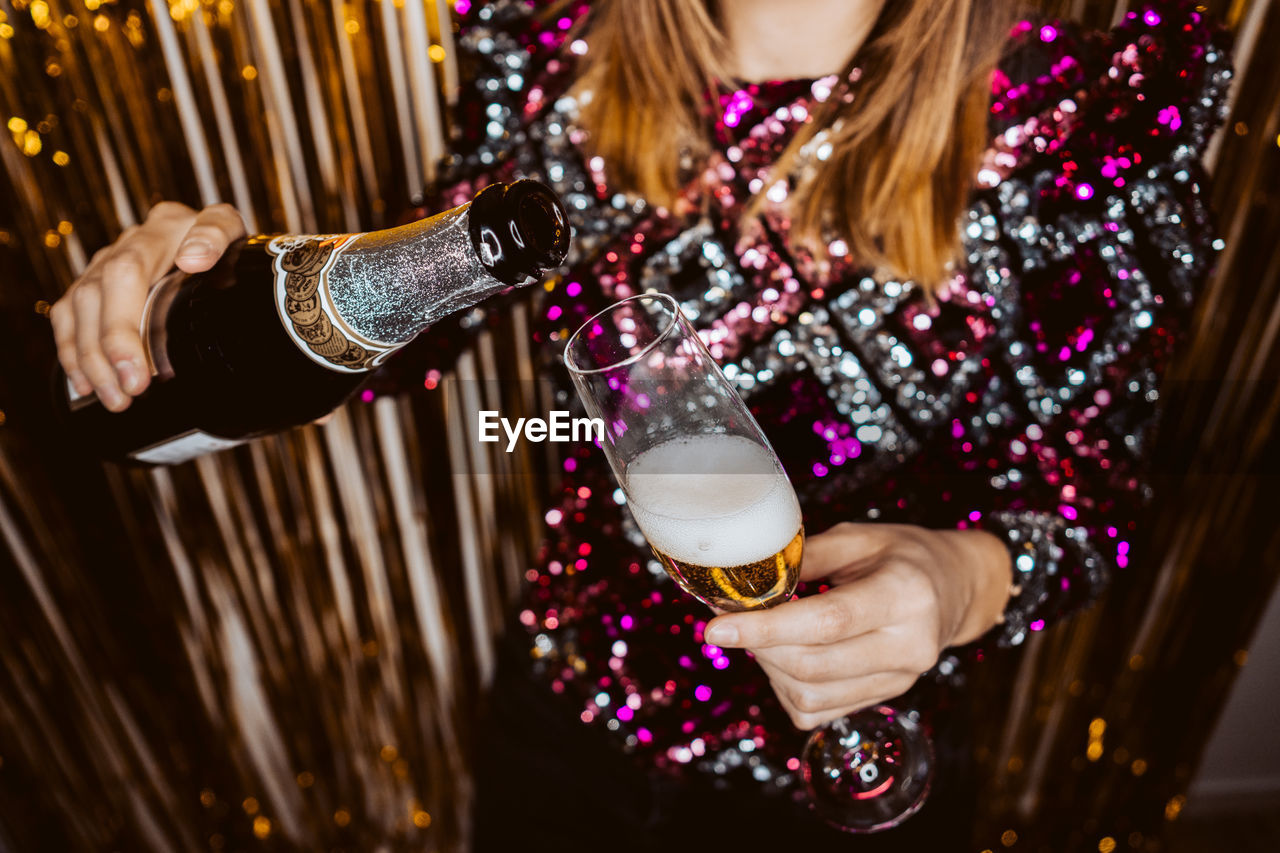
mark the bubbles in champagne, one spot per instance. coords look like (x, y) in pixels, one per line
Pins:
(712, 500)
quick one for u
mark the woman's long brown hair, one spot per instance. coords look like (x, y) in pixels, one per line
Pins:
(904, 149)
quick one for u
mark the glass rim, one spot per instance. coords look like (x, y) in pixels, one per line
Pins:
(665, 298)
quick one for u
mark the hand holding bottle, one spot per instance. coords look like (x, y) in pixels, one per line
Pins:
(96, 322)
(250, 335)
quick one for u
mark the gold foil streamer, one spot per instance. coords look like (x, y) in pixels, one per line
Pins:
(282, 646)
(291, 614)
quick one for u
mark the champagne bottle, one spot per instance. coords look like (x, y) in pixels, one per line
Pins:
(282, 329)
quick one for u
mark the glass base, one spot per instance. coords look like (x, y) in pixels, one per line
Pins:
(869, 771)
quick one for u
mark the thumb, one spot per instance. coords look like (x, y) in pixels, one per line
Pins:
(213, 230)
(846, 550)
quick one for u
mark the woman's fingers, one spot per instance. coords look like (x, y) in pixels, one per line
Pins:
(62, 318)
(97, 322)
(90, 360)
(125, 280)
(885, 649)
(173, 233)
(864, 641)
(846, 611)
(214, 229)
(64, 337)
(101, 311)
(812, 705)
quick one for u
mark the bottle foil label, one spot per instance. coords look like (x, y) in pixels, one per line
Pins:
(302, 266)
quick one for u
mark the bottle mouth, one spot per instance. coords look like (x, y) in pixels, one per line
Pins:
(520, 229)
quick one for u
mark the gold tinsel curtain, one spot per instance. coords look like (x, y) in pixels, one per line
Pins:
(282, 646)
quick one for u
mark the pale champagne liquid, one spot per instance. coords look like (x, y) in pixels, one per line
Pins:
(722, 517)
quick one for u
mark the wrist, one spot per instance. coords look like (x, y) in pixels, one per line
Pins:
(983, 568)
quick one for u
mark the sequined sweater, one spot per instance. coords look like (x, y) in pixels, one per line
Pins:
(1020, 402)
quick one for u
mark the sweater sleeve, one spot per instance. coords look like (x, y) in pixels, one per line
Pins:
(1097, 175)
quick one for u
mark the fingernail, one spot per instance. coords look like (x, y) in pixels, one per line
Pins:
(130, 376)
(111, 398)
(194, 250)
(80, 383)
(722, 635)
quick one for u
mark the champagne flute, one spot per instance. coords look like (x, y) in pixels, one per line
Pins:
(712, 498)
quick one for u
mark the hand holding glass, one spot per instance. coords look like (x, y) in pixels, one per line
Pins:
(710, 495)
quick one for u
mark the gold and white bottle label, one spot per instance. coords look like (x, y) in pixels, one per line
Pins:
(302, 265)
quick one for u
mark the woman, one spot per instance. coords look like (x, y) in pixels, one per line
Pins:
(944, 264)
